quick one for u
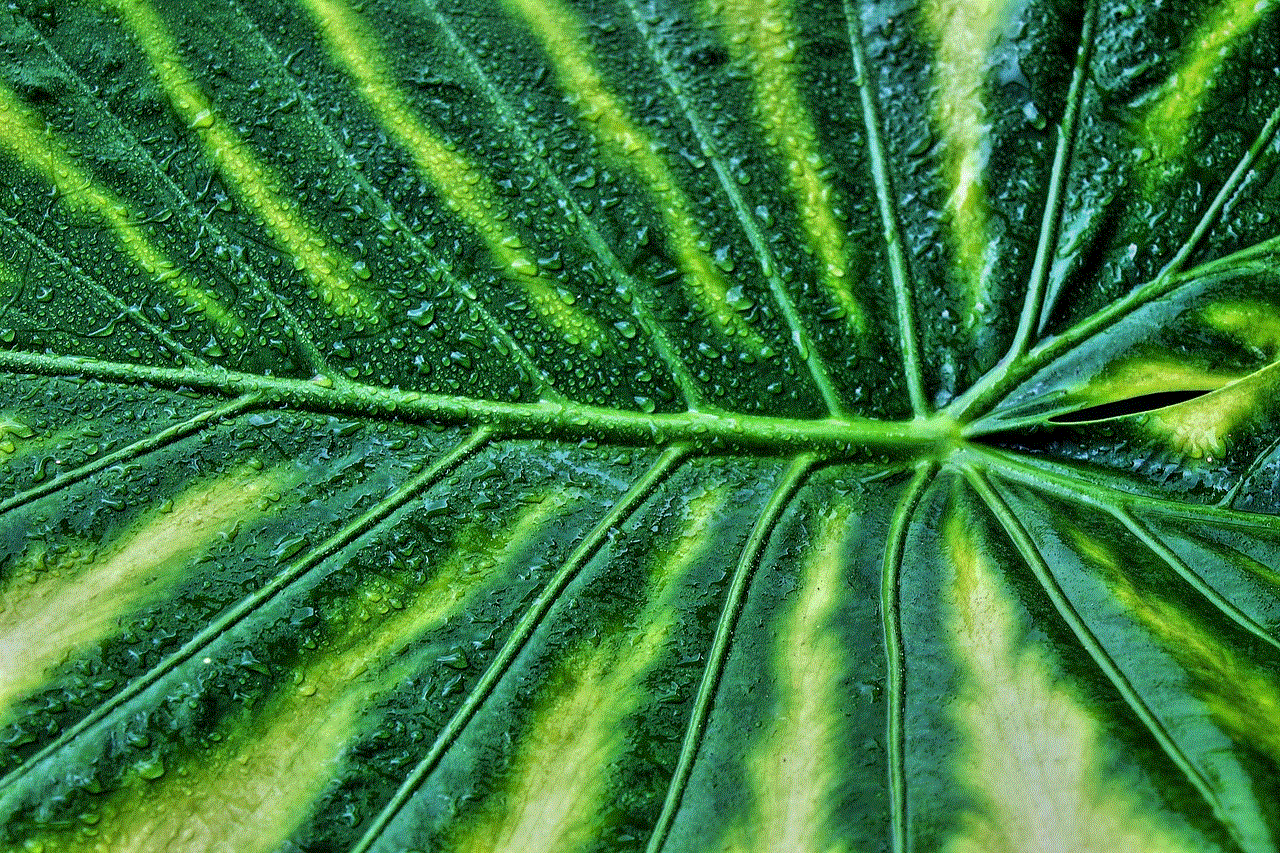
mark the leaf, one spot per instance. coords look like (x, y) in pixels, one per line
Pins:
(574, 426)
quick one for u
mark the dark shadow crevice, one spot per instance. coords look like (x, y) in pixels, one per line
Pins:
(1129, 406)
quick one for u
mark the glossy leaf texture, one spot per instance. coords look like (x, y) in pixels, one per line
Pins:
(640, 425)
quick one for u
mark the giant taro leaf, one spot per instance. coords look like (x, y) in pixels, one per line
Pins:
(581, 425)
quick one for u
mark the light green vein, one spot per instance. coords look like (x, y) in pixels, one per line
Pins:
(636, 296)
(330, 272)
(1093, 490)
(1056, 198)
(560, 35)
(1184, 93)
(800, 336)
(735, 598)
(25, 135)
(139, 448)
(895, 660)
(908, 339)
(707, 430)
(666, 463)
(466, 190)
(764, 36)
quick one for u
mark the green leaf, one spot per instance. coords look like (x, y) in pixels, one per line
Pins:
(561, 425)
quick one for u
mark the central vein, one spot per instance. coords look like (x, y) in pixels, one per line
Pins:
(832, 438)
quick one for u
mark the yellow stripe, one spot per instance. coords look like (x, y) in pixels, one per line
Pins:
(762, 34)
(797, 766)
(477, 555)
(1034, 762)
(1252, 322)
(51, 609)
(1243, 698)
(559, 30)
(965, 30)
(466, 190)
(555, 791)
(1169, 120)
(1203, 427)
(1250, 565)
(240, 798)
(25, 136)
(251, 792)
(331, 273)
(1149, 374)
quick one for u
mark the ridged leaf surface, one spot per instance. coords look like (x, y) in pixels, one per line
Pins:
(640, 425)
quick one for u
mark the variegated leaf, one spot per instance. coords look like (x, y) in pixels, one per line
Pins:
(651, 425)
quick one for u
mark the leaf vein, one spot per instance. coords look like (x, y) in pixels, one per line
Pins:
(752, 553)
(800, 336)
(891, 220)
(131, 452)
(709, 431)
(895, 661)
(353, 531)
(665, 465)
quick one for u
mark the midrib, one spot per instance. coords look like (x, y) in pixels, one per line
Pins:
(830, 437)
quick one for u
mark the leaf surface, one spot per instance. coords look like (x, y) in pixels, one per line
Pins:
(561, 425)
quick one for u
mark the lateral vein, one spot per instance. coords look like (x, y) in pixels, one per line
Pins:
(898, 268)
(749, 561)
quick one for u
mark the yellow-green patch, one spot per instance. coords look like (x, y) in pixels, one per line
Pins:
(330, 272)
(1034, 760)
(21, 444)
(1168, 122)
(560, 32)
(1249, 564)
(555, 789)
(23, 134)
(1202, 428)
(383, 617)
(763, 35)
(965, 32)
(796, 767)
(1242, 696)
(1198, 428)
(251, 790)
(1252, 322)
(50, 611)
(463, 187)
(1149, 374)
